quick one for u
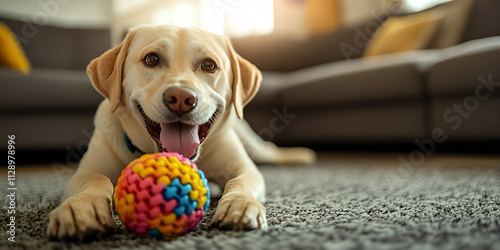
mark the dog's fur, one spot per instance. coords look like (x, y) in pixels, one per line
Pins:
(135, 99)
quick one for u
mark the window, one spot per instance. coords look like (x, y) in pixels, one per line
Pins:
(230, 17)
(241, 17)
(418, 5)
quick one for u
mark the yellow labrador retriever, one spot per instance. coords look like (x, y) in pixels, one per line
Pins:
(179, 90)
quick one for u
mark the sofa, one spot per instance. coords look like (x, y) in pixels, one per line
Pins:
(317, 91)
(52, 107)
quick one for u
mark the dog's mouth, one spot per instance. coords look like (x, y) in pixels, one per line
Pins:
(177, 136)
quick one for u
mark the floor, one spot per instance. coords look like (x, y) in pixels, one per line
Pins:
(345, 201)
(356, 158)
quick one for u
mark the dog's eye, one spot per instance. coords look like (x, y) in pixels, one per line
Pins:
(152, 59)
(209, 66)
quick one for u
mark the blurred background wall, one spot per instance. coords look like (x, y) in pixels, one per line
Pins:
(292, 18)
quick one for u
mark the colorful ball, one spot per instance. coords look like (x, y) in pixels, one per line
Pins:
(161, 195)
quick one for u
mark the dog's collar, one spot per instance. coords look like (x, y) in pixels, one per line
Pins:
(131, 147)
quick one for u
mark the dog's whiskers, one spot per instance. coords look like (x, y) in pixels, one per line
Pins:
(216, 115)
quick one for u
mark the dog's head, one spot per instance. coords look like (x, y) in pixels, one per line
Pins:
(177, 84)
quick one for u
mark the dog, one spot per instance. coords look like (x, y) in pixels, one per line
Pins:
(177, 90)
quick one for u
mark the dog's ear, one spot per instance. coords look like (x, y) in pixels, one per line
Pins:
(105, 72)
(246, 80)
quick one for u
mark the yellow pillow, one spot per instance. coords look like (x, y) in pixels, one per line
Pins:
(397, 34)
(11, 53)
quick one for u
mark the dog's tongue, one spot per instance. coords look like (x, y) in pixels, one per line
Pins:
(180, 138)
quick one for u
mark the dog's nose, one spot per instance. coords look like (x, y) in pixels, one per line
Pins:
(180, 100)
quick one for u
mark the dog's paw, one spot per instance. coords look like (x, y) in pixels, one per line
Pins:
(81, 217)
(239, 212)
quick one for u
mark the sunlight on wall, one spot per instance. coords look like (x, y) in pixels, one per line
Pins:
(418, 5)
(66, 14)
(230, 17)
(181, 15)
(254, 17)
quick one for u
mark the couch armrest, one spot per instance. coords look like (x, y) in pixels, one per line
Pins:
(47, 90)
(463, 66)
(383, 78)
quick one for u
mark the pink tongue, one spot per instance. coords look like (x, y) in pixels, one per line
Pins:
(180, 138)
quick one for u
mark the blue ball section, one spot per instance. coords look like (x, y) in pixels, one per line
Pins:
(205, 184)
(155, 233)
(180, 192)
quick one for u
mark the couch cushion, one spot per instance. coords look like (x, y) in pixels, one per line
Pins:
(47, 89)
(383, 78)
(403, 122)
(278, 53)
(463, 66)
(41, 131)
(397, 34)
(54, 47)
(484, 20)
(475, 120)
(272, 84)
(452, 25)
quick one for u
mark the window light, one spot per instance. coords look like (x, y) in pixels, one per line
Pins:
(418, 5)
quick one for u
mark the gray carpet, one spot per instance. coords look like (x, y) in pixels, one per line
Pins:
(343, 202)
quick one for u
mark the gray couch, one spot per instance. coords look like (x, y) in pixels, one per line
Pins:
(310, 93)
(52, 107)
(439, 95)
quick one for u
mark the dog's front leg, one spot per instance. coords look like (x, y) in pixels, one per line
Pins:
(86, 212)
(240, 206)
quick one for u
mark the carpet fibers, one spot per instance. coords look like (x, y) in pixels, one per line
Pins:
(345, 201)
